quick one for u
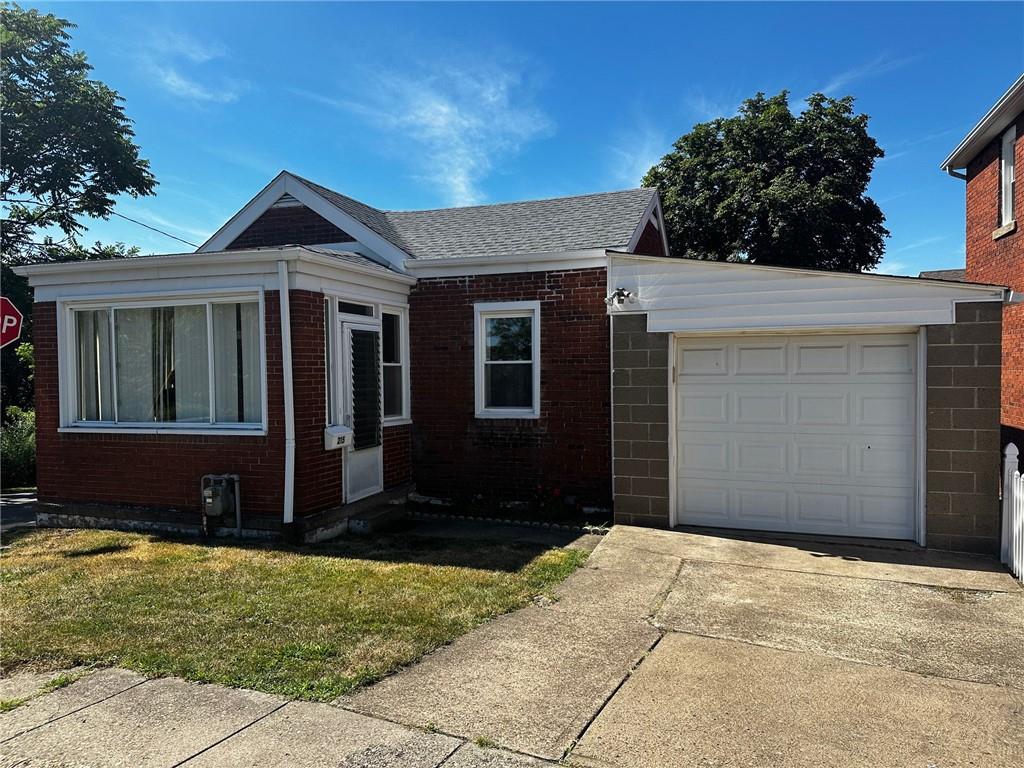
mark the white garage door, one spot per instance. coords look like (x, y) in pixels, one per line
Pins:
(810, 434)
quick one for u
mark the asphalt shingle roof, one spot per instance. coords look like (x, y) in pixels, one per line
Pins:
(604, 220)
(958, 275)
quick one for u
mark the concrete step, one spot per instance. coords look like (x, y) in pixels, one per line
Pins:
(379, 518)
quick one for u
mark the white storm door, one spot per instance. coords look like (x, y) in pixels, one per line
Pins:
(361, 398)
(803, 434)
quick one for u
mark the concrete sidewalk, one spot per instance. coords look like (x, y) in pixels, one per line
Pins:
(117, 718)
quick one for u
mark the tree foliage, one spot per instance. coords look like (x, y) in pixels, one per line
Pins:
(67, 152)
(770, 187)
(68, 147)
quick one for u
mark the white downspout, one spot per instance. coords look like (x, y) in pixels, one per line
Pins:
(289, 395)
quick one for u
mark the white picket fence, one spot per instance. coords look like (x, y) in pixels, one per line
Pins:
(1013, 513)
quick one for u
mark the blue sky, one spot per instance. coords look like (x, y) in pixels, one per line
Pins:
(420, 106)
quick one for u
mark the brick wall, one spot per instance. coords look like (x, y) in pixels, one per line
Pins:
(640, 422)
(158, 471)
(963, 430)
(458, 455)
(397, 455)
(1000, 261)
(296, 225)
(318, 472)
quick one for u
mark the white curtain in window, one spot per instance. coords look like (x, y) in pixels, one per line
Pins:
(236, 345)
(95, 388)
(135, 364)
(189, 377)
(162, 364)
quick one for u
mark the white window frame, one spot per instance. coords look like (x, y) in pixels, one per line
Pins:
(489, 310)
(1007, 173)
(402, 313)
(67, 364)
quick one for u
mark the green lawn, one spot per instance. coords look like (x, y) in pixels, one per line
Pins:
(309, 622)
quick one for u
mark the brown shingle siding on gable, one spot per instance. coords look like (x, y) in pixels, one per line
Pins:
(295, 225)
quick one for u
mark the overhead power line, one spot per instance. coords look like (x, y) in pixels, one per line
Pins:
(119, 215)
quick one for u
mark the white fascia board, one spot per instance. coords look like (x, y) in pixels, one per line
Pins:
(998, 291)
(1010, 104)
(217, 271)
(285, 183)
(513, 263)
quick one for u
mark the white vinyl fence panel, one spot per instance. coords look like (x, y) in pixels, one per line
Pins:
(1013, 514)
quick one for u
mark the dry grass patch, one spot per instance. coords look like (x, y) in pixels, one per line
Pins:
(309, 622)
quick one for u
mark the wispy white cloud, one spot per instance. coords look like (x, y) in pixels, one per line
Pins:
(879, 65)
(453, 121)
(890, 267)
(179, 64)
(634, 154)
(913, 246)
(704, 107)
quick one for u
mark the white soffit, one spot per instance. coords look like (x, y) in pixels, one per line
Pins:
(683, 295)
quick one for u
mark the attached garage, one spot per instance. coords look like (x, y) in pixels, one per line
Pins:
(797, 401)
(803, 433)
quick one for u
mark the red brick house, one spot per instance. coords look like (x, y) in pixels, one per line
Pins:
(330, 354)
(989, 159)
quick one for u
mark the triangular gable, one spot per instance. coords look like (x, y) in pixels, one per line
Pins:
(287, 184)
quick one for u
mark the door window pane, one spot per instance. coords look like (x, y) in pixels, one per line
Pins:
(236, 362)
(366, 405)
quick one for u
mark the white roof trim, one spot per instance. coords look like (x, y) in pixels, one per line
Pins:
(1010, 104)
(516, 262)
(988, 287)
(40, 274)
(286, 183)
(654, 205)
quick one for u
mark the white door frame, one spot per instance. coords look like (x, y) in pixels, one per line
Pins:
(921, 412)
(350, 461)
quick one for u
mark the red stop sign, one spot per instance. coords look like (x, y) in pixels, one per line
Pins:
(10, 322)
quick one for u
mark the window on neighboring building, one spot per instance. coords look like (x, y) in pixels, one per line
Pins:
(1007, 180)
(394, 365)
(508, 360)
(182, 364)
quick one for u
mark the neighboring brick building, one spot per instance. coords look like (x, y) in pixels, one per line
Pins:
(334, 355)
(991, 159)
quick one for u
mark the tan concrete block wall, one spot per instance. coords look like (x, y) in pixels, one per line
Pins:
(640, 422)
(962, 504)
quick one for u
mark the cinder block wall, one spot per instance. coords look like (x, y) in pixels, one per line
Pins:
(640, 422)
(962, 504)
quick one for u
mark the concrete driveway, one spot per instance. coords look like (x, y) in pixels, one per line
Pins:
(801, 654)
(672, 649)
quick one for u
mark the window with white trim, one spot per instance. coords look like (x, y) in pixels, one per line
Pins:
(394, 364)
(507, 348)
(191, 364)
(1007, 176)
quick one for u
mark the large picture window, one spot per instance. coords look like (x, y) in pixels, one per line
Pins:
(508, 360)
(186, 365)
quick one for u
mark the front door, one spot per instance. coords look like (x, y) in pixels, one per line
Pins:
(361, 392)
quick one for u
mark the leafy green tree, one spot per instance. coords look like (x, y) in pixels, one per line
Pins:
(770, 187)
(67, 151)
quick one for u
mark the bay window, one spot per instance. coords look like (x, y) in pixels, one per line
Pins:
(507, 350)
(188, 365)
